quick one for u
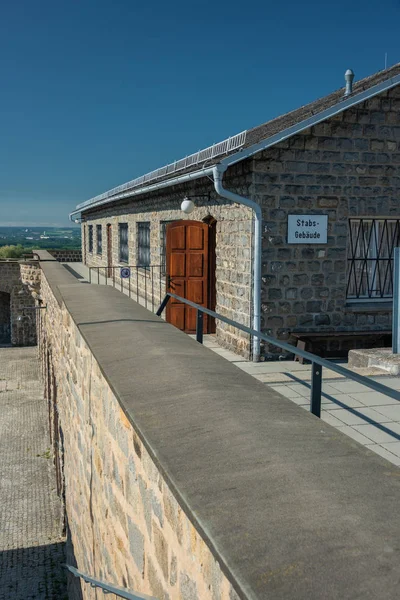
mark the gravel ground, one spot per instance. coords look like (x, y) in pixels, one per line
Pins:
(32, 548)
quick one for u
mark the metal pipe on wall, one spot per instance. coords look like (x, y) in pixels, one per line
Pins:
(218, 172)
(396, 303)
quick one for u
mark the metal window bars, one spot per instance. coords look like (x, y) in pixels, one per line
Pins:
(370, 264)
(123, 242)
(224, 147)
(143, 230)
(99, 239)
(90, 238)
(146, 285)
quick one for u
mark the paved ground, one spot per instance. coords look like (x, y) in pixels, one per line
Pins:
(368, 417)
(31, 543)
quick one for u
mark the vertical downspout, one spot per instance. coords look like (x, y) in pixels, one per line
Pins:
(218, 172)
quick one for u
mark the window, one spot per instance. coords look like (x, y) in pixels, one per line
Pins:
(370, 264)
(90, 238)
(143, 244)
(123, 243)
(163, 245)
(99, 239)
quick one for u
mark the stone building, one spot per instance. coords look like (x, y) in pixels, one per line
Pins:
(19, 284)
(316, 190)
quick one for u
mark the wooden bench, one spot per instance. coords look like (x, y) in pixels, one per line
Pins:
(314, 341)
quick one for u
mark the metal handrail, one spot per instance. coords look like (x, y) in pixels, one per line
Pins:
(108, 588)
(317, 363)
(152, 278)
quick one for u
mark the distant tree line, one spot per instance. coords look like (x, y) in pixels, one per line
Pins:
(12, 251)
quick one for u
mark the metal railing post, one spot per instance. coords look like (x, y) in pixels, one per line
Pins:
(316, 384)
(199, 326)
(396, 303)
(163, 305)
(90, 274)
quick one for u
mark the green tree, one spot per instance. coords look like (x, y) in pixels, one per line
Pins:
(11, 251)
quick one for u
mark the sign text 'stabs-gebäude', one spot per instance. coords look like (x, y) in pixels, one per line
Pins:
(307, 229)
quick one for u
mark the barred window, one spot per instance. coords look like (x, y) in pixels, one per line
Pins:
(370, 262)
(163, 246)
(90, 238)
(143, 230)
(123, 243)
(99, 239)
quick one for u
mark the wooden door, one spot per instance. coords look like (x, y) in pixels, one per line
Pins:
(187, 272)
(109, 250)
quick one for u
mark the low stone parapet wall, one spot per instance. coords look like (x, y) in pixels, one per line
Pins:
(67, 256)
(187, 479)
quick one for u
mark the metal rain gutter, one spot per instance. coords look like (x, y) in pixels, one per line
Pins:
(218, 172)
(149, 188)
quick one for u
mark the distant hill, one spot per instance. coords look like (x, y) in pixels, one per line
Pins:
(41, 237)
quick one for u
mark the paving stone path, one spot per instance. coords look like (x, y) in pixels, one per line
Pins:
(31, 542)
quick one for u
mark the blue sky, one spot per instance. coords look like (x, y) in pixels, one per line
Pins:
(95, 92)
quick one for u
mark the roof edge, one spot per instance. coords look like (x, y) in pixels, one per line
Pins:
(205, 172)
(311, 121)
(232, 159)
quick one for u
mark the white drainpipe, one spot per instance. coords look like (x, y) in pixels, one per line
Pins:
(218, 172)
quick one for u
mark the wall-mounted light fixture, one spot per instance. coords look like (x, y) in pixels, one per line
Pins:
(188, 205)
(23, 308)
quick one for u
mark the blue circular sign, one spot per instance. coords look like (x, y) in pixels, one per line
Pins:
(125, 273)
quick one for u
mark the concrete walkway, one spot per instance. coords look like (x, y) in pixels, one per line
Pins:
(31, 542)
(366, 416)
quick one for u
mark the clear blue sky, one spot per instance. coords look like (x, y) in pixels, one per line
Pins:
(95, 92)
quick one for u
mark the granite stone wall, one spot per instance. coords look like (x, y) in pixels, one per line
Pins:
(234, 226)
(125, 524)
(20, 280)
(348, 166)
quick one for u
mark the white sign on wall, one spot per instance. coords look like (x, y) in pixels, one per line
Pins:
(307, 229)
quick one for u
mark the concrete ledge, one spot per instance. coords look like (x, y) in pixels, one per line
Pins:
(56, 275)
(383, 358)
(43, 255)
(290, 507)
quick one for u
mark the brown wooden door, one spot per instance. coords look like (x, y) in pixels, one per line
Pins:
(109, 250)
(187, 272)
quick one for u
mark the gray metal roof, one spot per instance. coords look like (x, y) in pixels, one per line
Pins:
(249, 138)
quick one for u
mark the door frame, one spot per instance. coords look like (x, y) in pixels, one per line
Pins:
(209, 322)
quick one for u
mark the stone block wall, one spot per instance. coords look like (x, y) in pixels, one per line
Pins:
(21, 281)
(348, 166)
(345, 167)
(67, 255)
(234, 237)
(126, 526)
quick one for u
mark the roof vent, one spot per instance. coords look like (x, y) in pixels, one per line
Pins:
(349, 76)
